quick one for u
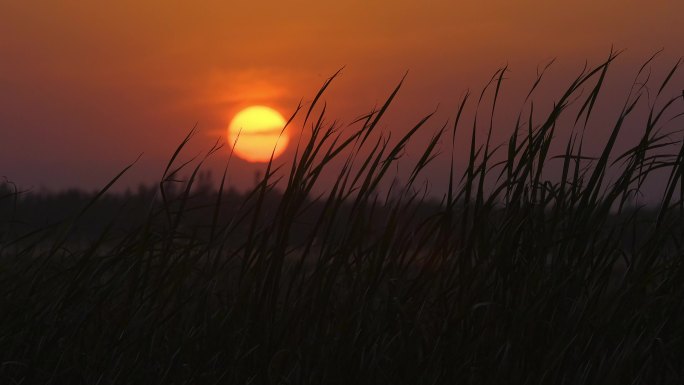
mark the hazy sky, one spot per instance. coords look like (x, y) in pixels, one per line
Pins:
(85, 87)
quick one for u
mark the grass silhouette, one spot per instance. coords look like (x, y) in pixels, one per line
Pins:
(522, 280)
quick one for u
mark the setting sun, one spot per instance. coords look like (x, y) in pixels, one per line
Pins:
(259, 129)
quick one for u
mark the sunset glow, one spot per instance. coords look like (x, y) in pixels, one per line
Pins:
(341, 192)
(111, 80)
(259, 133)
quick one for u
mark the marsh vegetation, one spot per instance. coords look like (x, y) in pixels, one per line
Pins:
(511, 276)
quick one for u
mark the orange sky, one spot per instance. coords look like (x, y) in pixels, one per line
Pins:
(85, 87)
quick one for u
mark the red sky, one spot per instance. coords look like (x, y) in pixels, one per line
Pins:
(85, 87)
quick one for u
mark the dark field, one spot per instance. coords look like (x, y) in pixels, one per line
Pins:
(510, 277)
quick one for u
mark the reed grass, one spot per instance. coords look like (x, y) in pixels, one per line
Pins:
(512, 277)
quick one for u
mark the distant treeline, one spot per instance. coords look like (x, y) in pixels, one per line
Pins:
(88, 215)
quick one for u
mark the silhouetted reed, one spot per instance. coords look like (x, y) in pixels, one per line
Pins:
(512, 277)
